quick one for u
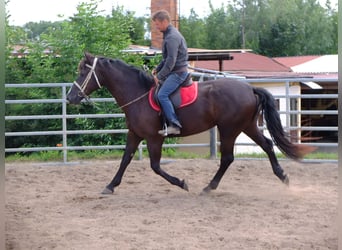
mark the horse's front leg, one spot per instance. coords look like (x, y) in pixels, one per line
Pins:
(154, 148)
(131, 146)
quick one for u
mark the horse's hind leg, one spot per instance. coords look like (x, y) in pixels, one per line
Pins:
(131, 146)
(227, 157)
(267, 145)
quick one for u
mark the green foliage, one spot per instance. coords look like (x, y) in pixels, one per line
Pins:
(34, 30)
(218, 29)
(138, 31)
(45, 156)
(194, 31)
(298, 28)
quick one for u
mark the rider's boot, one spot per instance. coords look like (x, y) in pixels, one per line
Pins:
(172, 129)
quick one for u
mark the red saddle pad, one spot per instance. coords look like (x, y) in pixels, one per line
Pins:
(188, 95)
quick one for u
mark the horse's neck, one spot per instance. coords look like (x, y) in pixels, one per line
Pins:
(124, 86)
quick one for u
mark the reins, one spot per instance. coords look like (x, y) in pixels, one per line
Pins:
(133, 101)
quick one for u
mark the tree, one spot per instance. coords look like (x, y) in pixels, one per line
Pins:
(138, 32)
(193, 29)
(221, 29)
(34, 30)
(297, 28)
(318, 28)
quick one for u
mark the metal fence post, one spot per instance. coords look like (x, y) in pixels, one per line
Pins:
(64, 125)
(213, 143)
(140, 148)
(287, 108)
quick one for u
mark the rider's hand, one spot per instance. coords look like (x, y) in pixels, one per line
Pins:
(156, 79)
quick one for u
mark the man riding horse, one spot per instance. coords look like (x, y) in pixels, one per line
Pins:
(172, 70)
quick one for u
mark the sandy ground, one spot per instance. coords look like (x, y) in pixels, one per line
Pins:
(57, 206)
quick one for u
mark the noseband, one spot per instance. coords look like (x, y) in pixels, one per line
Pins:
(84, 85)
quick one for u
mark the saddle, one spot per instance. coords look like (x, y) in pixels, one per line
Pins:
(185, 95)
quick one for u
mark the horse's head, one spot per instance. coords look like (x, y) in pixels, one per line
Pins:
(87, 80)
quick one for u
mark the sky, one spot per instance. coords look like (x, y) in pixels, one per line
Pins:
(24, 11)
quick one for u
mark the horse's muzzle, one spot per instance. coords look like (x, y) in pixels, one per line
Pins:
(73, 99)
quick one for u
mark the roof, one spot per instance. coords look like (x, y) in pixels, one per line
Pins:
(245, 61)
(250, 65)
(20, 51)
(327, 63)
(311, 64)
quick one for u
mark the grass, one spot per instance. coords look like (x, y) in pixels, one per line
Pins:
(56, 156)
(316, 155)
(50, 156)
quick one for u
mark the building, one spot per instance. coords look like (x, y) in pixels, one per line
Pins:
(325, 68)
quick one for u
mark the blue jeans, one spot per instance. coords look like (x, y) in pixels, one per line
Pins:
(172, 82)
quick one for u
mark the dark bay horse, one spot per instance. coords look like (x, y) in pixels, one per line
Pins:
(233, 106)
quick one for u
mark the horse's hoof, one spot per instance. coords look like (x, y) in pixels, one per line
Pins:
(107, 191)
(206, 190)
(185, 186)
(286, 180)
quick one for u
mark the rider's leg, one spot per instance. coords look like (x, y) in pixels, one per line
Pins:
(168, 87)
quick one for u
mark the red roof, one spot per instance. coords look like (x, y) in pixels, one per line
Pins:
(245, 61)
(251, 65)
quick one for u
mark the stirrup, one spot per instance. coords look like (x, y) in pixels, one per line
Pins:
(163, 132)
(174, 130)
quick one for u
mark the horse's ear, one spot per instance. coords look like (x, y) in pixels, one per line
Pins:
(88, 56)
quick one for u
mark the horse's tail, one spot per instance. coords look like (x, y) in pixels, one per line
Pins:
(273, 123)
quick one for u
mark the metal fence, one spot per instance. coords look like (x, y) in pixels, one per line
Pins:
(211, 144)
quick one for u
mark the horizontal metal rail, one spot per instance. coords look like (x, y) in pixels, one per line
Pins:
(44, 117)
(124, 131)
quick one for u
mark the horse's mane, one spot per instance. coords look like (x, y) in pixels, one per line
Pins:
(144, 77)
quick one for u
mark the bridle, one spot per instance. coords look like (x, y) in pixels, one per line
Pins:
(84, 85)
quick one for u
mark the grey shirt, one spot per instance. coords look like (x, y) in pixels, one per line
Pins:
(175, 53)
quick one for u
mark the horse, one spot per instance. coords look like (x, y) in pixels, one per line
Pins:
(232, 105)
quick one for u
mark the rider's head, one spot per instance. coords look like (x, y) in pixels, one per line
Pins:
(161, 20)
